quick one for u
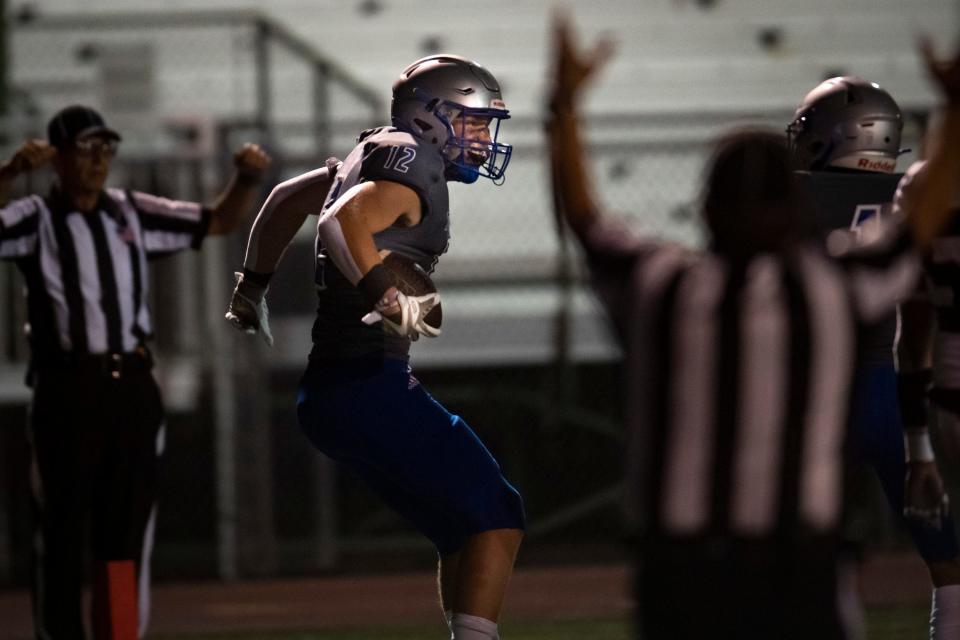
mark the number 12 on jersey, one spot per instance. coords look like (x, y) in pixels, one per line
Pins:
(399, 159)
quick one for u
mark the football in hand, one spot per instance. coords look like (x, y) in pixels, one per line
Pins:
(412, 280)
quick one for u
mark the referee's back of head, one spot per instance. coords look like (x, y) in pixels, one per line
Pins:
(752, 202)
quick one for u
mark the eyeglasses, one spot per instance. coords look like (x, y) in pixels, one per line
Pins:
(93, 146)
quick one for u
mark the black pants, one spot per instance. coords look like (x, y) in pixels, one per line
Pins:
(95, 446)
(737, 590)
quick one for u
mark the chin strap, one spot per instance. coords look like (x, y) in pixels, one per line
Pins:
(460, 173)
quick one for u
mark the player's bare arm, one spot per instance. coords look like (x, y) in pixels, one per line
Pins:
(917, 326)
(372, 207)
(30, 156)
(347, 228)
(230, 208)
(925, 497)
(375, 206)
(930, 211)
(282, 215)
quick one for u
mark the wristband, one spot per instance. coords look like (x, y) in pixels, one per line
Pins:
(251, 288)
(917, 445)
(375, 283)
(257, 278)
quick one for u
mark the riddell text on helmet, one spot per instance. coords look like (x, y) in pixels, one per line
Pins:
(887, 166)
(878, 164)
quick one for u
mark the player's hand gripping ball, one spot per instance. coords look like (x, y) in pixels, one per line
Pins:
(413, 281)
(420, 312)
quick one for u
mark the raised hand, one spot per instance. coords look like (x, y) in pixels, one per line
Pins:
(31, 155)
(572, 68)
(945, 74)
(251, 162)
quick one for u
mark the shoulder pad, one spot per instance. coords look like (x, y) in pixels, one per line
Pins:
(398, 156)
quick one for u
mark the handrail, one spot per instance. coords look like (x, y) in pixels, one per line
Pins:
(207, 19)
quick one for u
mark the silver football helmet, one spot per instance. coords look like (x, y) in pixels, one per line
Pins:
(847, 122)
(455, 104)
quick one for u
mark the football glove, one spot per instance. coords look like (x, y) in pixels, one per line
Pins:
(248, 309)
(925, 500)
(409, 321)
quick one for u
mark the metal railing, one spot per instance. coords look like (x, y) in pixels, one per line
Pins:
(505, 250)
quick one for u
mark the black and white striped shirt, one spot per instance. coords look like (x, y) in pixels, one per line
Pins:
(86, 273)
(739, 376)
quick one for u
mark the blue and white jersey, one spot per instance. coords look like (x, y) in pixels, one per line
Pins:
(384, 153)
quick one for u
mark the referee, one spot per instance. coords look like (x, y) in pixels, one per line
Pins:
(740, 361)
(96, 418)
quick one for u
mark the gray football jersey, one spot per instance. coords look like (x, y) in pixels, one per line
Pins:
(384, 153)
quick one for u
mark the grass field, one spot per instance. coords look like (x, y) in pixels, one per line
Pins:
(899, 623)
(579, 630)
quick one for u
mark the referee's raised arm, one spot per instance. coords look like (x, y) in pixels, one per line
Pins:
(739, 364)
(30, 156)
(240, 194)
(572, 70)
(933, 208)
(85, 251)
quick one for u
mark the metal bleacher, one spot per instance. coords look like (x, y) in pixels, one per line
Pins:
(187, 83)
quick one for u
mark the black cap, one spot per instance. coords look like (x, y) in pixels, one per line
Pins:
(77, 121)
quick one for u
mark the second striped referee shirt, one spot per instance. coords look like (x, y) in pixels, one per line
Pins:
(739, 377)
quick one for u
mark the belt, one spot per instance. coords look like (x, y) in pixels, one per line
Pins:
(112, 364)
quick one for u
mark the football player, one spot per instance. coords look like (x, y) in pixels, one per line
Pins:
(846, 136)
(358, 401)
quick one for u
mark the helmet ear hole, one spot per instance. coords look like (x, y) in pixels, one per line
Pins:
(423, 124)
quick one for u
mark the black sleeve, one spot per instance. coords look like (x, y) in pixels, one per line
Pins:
(614, 253)
(206, 215)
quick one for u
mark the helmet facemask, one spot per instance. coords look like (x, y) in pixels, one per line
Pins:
(455, 104)
(471, 149)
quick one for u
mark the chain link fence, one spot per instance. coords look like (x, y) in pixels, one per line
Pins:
(525, 355)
